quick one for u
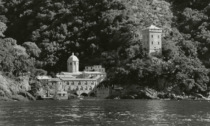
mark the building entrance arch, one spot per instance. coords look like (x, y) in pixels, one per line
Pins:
(84, 94)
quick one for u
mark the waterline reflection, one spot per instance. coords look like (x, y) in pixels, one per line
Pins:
(105, 112)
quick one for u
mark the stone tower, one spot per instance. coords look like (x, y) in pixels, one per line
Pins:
(73, 64)
(152, 42)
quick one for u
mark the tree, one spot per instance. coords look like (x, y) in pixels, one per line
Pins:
(32, 49)
(3, 28)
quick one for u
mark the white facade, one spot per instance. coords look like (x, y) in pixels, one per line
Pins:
(152, 41)
(73, 64)
(76, 82)
(80, 82)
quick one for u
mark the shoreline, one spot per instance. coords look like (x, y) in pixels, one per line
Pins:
(148, 93)
(180, 98)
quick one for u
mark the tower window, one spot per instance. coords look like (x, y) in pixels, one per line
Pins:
(152, 43)
(158, 43)
(152, 36)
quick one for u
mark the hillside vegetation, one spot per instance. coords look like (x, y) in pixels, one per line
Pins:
(108, 32)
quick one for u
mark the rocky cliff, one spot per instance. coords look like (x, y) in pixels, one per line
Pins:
(15, 89)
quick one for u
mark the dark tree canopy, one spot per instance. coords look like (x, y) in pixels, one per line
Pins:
(108, 32)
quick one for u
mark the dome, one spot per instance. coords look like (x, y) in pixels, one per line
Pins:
(73, 58)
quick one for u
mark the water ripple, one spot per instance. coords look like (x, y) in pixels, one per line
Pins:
(105, 112)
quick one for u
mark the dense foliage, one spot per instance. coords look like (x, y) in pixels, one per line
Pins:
(16, 60)
(108, 32)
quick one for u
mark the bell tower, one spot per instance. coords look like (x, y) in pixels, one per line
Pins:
(73, 64)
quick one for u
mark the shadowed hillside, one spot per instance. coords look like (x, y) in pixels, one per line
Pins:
(108, 32)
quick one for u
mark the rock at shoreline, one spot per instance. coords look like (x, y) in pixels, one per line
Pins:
(11, 89)
(150, 93)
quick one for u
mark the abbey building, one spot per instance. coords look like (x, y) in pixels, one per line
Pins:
(74, 81)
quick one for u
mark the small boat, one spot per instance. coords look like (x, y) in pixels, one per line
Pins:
(61, 95)
(47, 97)
(81, 97)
